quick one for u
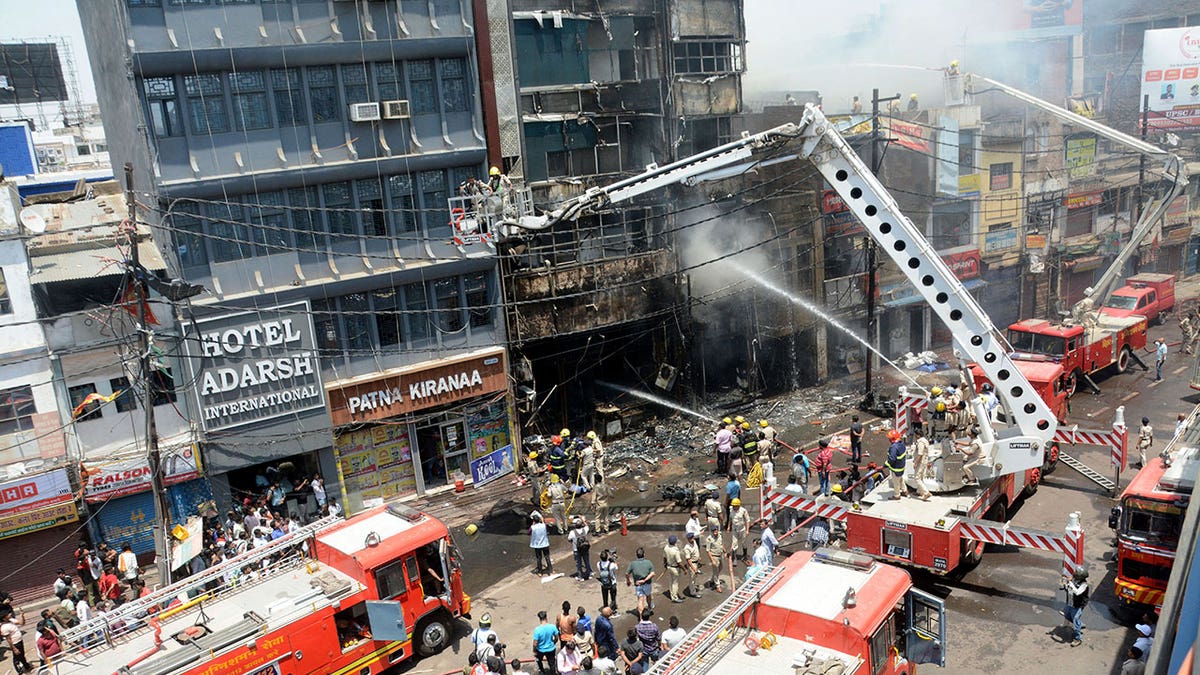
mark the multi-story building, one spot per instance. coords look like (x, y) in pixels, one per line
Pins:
(296, 158)
(606, 88)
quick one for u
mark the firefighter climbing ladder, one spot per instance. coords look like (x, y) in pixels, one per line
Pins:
(691, 654)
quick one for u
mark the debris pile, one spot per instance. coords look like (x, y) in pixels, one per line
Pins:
(926, 361)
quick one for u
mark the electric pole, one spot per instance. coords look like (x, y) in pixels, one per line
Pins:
(1136, 212)
(872, 278)
(162, 511)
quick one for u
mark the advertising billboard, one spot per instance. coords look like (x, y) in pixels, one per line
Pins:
(1171, 77)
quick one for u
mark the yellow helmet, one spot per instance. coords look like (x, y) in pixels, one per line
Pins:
(936, 391)
(565, 433)
(954, 63)
(735, 502)
(763, 423)
(727, 421)
(835, 488)
(739, 419)
(745, 425)
(941, 406)
(913, 96)
(494, 171)
(554, 478)
(533, 455)
(591, 435)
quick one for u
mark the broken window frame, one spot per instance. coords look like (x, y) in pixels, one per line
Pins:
(707, 57)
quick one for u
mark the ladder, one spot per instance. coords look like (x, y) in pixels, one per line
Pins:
(1088, 472)
(692, 649)
(132, 612)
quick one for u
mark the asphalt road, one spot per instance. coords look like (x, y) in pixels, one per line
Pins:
(1004, 616)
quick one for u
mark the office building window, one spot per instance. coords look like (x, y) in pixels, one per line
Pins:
(389, 78)
(322, 91)
(16, 409)
(416, 312)
(206, 103)
(449, 306)
(1001, 176)
(5, 300)
(420, 79)
(325, 323)
(370, 206)
(478, 299)
(304, 205)
(339, 206)
(358, 322)
(77, 395)
(229, 236)
(249, 95)
(707, 58)
(354, 83)
(126, 398)
(164, 108)
(385, 306)
(403, 211)
(454, 85)
(433, 199)
(268, 222)
(188, 233)
(289, 96)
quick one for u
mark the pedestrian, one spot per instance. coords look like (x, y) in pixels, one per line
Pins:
(972, 451)
(601, 495)
(713, 511)
(606, 637)
(1160, 358)
(558, 503)
(539, 541)
(515, 664)
(1180, 425)
(856, 439)
(631, 654)
(110, 586)
(127, 563)
(48, 643)
(733, 490)
(1077, 598)
(769, 539)
(1190, 338)
(545, 637)
(739, 520)
(10, 631)
(673, 635)
(723, 439)
(693, 525)
(714, 546)
(761, 557)
(673, 563)
(691, 559)
(603, 664)
(565, 623)
(1145, 638)
(650, 635)
(640, 575)
(1133, 664)
(581, 547)
(479, 636)
(606, 573)
(823, 465)
(818, 534)
(1145, 440)
(801, 470)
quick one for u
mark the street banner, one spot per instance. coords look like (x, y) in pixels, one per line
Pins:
(130, 476)
(33, 492)
(493, 465)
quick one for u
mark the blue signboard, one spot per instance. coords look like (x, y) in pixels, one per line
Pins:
(492, 466)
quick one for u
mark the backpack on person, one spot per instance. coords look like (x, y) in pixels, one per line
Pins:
(604, 573)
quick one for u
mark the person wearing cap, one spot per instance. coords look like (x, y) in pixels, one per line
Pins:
(535, 471)
(673, 563)
(597, 451)
(691, 558)
(1145, 440)
(1145, 638)
(714, 546)
(581, 547)
(724, 443)
(479, 636)
(739, 529)
(749, 446)
(896, 461)
(558, 457)
(1077, 598)
(600, 495)
(713, 512)
(733, 490)
(587, 465)
(558, 503)
(539, 541)
(823, 465)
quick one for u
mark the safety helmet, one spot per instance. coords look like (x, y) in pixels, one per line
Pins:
(727, 421)
(494, 171)
(591, 435)
(836, 487)
(936, 391)
(554, 478)
(533, 455)
(954, 63)
(986, 387)
(485, 620)
(556, 439)
(941, 406)
(763, 423)
(735, 502)
(913, 96)
(893, 435)
(565, 433)
(745, 425)
(739, 419)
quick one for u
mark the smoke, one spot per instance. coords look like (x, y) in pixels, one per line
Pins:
(844, 49)
(712, 252)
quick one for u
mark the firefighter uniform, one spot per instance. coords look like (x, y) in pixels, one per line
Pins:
(714, 546)
(558, 458)
(739, 520)
(691, 553)
(897, 456)
(673, 562)
(558, 503)
(536, 472)
(749, 446)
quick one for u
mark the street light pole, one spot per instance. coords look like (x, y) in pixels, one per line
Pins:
(872, 276)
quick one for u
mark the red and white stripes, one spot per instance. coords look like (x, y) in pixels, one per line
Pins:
(773, 499)
(1114, 439)
(1069, 545)
(909, 404)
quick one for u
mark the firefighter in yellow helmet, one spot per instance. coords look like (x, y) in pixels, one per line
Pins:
(913, 105)
(498, 182)
(535, 470)
(739, 529)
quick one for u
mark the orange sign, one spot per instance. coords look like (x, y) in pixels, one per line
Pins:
(415, 388)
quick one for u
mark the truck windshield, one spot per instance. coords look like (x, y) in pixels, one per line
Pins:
(1122, 302)
(1153, 522)
(1036, 343)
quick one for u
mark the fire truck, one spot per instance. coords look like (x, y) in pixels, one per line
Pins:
(334, 597)
(1149, 518)
(827, 611)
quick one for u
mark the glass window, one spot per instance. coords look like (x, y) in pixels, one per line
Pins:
(389, 580)
(126, 398)
(268, 222)
(340, 209)
(951, 225)
(322, 90)
(386, 308)
(389, 79)
(324, 312)
(206, 103)
(454, 85)
(249, 100)
(706, 57)
(188, 233)
(145, 3)
(420, 79)
(229, 237)
(306, 220)
(354, 83)
(161, 101)
(5, 301)
(478, 299)
(449, 306)
(1102, 39)
(370, 206)
(1001, 176)
(966, 150)
(17, 409)
(357, 321)
(434, 209)
(289, 96)
(416, 311)
(1132, 35)
(162, 385)
(80, 392)
(403, 211)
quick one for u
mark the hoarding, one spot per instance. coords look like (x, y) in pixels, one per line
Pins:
(30, 72)
(1171, 77)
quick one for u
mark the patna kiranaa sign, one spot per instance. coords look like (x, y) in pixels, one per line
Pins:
(257, 365)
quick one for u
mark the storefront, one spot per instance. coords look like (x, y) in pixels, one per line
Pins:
(907, 324)
(37, 516)
(421, 427)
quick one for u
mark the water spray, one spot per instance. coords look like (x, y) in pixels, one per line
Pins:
(655, 399)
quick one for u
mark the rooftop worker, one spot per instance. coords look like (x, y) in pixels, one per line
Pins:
(855, 106)
(912, 103)
(953, 69)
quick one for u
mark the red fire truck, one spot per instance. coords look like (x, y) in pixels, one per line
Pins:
(827, 611)
(335, 597)
(1081, 350)
(1149, 519)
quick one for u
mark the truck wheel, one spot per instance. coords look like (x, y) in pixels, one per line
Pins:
(1123, 360)
(432, 635)
(1072, 383)
(1031, 484)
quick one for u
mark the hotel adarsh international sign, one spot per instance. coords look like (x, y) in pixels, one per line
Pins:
(420, 386)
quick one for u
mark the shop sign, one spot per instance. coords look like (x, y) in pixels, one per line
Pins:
(842, 224)
(1035, 241)
(130, 476)
(1178, 209)
(969, 184)
(911, 136)
(831, 202)
(34, 492)
(1177, 234)
(32, 520)
(1171, 77)
(1084, 200)
(255, 366)
(418, 387)
(1001, 240)
(965, 264)
(1081, 157)
(492, 466)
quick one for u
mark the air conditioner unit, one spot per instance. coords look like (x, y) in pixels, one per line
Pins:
(395, 110)
(364, 112)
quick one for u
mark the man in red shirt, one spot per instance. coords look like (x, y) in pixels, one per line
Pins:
(823, 465)
(110, 586)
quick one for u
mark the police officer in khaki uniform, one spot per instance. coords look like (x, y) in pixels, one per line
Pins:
(714, 546)
(739, 520)
(691, 557)
(558, 503)
(673, 562)
(713, 510)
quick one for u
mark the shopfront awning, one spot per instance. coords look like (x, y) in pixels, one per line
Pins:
(915, 298)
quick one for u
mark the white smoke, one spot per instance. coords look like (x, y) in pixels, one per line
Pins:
(712, 251)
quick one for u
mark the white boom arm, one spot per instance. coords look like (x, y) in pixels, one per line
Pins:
(1173, 169)
(1017, 448)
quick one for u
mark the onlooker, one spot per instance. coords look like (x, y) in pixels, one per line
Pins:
(127, 563)
(1077, 598)
(823, 465)
(568, 658)
(539, 541)
(818, 534)
(1133, 664)
(581, 547)
(515, 664)
(545, 636)
(856, 439)
(673, 635)
(640, 575)
(110, 586)
(631, 654)
(651, 637)
(10, 630)
(1145, 639)
(565, 623)
(48, 643)
(606, 637)
(606, 573)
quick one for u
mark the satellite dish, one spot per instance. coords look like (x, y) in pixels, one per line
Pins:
(33, 221)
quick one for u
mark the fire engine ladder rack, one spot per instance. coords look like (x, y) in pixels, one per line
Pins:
(1087, 472)
(691, 654)
(134, 612)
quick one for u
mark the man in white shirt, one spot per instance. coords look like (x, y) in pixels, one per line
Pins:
(769, 539)
(318, 488)
(762, 556)
(673, 635)
(127, 563)
(694, 527)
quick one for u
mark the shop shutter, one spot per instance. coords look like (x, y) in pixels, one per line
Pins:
(34, 562)
(128, 520)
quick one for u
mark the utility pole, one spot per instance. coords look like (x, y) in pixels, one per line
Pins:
(162, 511)
(872, 276)
(1136, 212)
